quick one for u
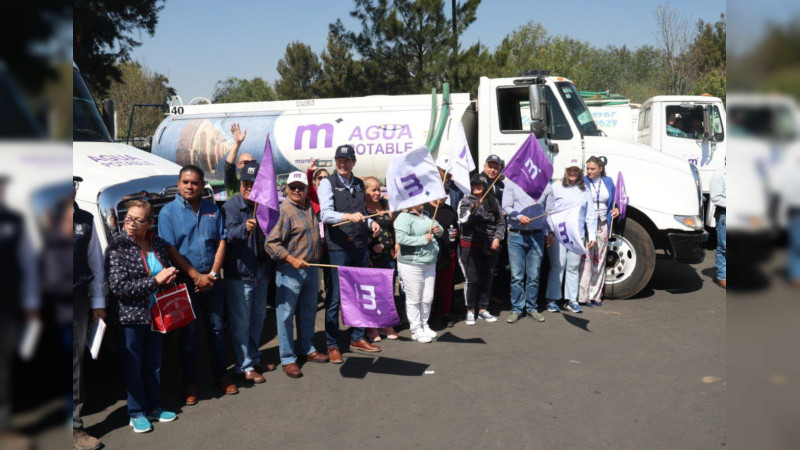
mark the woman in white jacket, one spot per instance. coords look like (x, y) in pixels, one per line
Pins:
(571, 191)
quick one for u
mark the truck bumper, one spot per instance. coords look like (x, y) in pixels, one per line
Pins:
(688, 247)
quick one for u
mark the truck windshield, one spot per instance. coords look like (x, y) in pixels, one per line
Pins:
(577, 108)
(87, 125)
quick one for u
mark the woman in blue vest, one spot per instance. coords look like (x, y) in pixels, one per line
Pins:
(138, 266)
(593, 264)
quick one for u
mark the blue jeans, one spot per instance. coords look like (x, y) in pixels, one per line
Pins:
(351, 258)
(561, 261)
(794, 245)
(210, 307)
(296, 293)
(525, 254)
(247, 309)
(140, 354)
(721, 248)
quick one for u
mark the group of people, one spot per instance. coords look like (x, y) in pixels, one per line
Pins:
(332, 219)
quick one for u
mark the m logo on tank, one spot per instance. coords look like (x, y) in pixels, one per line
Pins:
(367, 297)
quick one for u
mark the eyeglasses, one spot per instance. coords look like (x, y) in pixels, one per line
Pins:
(133, 220)
(321, 178)
(242, 163)
(296, 188)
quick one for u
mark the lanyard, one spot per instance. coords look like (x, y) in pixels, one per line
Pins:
(597, 190)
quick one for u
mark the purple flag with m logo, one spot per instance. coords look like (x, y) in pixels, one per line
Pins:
(529, 168)
(265, 192)
(367, 297)
(621, 196)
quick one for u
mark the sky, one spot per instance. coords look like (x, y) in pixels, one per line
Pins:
(199, 42)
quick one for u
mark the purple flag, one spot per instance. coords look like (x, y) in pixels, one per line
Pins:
(265, 192)
(367, 297)
(621, 196)
(529, 168)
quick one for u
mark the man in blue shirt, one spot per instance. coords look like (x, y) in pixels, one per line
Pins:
(341, 199)
(195, 231)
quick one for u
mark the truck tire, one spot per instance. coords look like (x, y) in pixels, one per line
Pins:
(630, 261)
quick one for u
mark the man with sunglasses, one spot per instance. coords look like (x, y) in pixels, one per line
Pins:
(88, 276)
(245, 279)
(294, 243)
(230, 177)
(341, 199)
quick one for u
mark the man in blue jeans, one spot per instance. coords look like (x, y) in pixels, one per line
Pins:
(195, 231)
(527, 236)
(719, 199)
(293, 243)
(246, 279)
(341, 199)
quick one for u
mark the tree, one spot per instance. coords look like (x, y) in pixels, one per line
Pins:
(709, 46)
(138, 85)
(299, 70)
(340, 75)
(675, 37)
(234, 90)
(103, 34)
(405, 45)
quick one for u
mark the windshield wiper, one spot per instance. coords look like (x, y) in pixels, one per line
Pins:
(90, 132)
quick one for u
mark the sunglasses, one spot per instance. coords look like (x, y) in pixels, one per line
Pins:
(296, 188)
(133, 220)
(321, 178)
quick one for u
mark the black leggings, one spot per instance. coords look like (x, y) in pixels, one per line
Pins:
(478, 270)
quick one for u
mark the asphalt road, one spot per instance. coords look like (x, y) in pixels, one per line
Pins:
(648, 372)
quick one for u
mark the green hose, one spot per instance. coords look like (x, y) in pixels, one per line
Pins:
(434, 144)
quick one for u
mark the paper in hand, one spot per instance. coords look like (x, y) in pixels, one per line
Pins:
(96, 332)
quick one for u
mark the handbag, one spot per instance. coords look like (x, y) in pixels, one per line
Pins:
(172, 309)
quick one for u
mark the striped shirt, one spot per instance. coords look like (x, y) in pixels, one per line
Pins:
(296, 234)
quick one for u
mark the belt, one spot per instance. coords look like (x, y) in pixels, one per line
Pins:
(524, 232)
(470, 244)
(721, 209)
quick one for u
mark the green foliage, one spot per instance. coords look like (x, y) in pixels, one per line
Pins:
(234, 90)
(103, 35)
(139, 86)
(299, 70)
(714, 83)
(341, 73)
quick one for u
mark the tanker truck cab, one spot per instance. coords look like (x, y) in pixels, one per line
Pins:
(665, 210)
(113, 173)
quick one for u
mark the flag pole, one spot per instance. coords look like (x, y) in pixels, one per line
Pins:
(366, 217)
(322, 265)
(435, 211)
(488, 189)
(255, 210)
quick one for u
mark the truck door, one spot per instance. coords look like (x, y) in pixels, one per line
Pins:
(684, 137)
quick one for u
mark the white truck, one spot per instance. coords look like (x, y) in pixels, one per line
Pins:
(665, 198)
(690, 127)
(113, 173)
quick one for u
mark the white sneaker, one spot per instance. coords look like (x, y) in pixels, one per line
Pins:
(485, 315)
(420, 337)
(470, 318)
(426, 330)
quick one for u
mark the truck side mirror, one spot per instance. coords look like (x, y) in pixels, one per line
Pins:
(708, 125)
(538, 105)
(110, 117)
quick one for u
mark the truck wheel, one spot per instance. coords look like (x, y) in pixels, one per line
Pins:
(630, 260)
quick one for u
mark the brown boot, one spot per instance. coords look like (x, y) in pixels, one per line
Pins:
(292, 370)
(335, 355)
(722, 284)
(80, 440)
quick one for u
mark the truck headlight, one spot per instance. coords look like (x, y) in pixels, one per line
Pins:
(693, 222)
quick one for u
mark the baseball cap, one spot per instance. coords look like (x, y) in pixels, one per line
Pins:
(574, 162)
(297, 177)
(76, 178)
(479, 179)
(249, 171)
(496, 159)
(345, 151)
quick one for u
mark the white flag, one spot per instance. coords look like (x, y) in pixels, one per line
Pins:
(461, 163)
(413, 179)
(566, 225)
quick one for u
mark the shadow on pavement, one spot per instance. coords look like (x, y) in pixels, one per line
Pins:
(359, 366)
(583, 324)
(451, 338)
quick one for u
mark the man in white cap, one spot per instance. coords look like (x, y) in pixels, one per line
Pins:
(293, 243)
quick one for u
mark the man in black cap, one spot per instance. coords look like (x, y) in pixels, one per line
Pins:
(245, 278)
(493, 168)
(341, 199)
(87, 293)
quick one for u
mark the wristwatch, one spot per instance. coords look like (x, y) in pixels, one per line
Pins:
(213, 274)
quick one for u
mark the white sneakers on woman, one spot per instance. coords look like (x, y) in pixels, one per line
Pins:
(423, 335)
